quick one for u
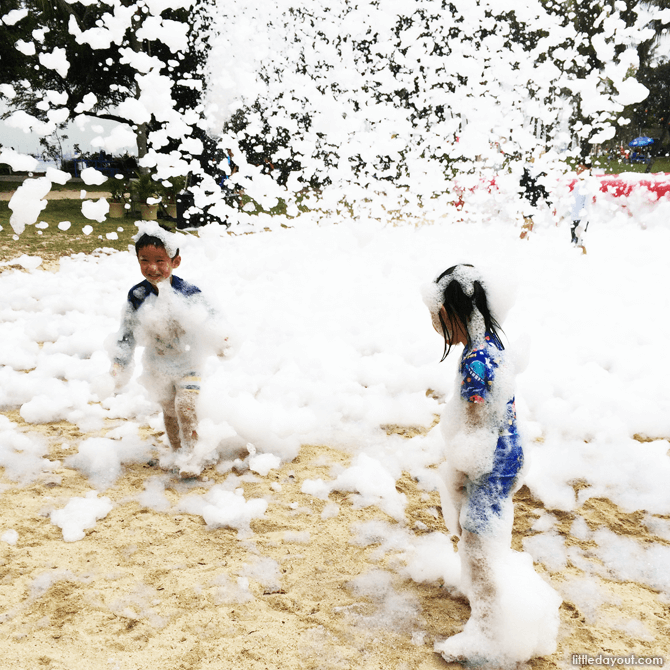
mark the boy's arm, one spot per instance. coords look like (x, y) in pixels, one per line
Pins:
(124, 349)
(226, 348)
(210, 327)
(224, 339)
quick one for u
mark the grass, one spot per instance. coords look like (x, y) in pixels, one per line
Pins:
(660, 164)
(51, 243)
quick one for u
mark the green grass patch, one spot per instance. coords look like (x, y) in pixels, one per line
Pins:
(660, 164)
(51, 243)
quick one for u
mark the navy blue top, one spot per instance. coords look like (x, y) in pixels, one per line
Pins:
(125, 345)
(140, 292)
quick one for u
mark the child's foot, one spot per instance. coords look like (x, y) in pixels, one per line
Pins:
(189, 473)
(189, 466)
(187, 476)
(526, 229)
(460, 649)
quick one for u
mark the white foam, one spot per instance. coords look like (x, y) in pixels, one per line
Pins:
(80, 514)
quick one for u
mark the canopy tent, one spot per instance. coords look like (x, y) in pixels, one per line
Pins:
(641, 142)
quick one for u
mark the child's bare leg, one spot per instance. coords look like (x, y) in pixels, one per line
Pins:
(185, 405)
(527, 227)
(479, 585)
(171, 424)
(478, 577)
(188, 389)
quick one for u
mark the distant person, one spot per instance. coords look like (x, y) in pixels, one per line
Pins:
(171, 319)
(514, 613)
(578, 209)
(531, 190)
(230, 190)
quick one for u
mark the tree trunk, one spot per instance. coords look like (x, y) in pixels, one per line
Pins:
(141, 139)
(141, 128)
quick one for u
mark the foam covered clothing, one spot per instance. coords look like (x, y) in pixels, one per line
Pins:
(578, 209)
(168, 343)
(486, 495)
(167, 324)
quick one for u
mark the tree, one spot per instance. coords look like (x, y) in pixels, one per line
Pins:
(653, 73)
(655, 110)
(377, 97)
(52, 66)
(612, 41)
(105, 60)
(14, 27)
(379, 101)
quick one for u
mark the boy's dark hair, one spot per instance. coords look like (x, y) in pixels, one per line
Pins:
(459, 308)
(151, 241)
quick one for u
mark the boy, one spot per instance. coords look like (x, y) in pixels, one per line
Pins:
(169, 317)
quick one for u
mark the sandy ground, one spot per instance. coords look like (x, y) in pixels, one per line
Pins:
(63, 195)
(157, 590)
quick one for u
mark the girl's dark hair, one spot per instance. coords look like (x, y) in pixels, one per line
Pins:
(459, 307)
(150, 241)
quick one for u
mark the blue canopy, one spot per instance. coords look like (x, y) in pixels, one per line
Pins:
(641, 142)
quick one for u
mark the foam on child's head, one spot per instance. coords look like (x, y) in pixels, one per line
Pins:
(152, 229)
(465, 275)
(433, 293)
(497, 283)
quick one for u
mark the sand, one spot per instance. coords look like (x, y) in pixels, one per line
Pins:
(63, 195)
(149, 589)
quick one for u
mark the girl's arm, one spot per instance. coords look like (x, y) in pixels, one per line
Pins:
(471, 436)
(477, 432)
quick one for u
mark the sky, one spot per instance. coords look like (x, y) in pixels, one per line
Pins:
(29, 142)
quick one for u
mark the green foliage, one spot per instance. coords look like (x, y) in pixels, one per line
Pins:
(589, 19)
(52, 148)
(15, 65)
(262, 144)
(104, 73)
(118, 189)
(97, 71)
(655, 110)
(171, 188)
(144, 187)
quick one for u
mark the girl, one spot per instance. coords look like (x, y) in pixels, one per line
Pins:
(513, 613)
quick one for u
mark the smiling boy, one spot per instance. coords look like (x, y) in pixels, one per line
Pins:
(167, 315)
